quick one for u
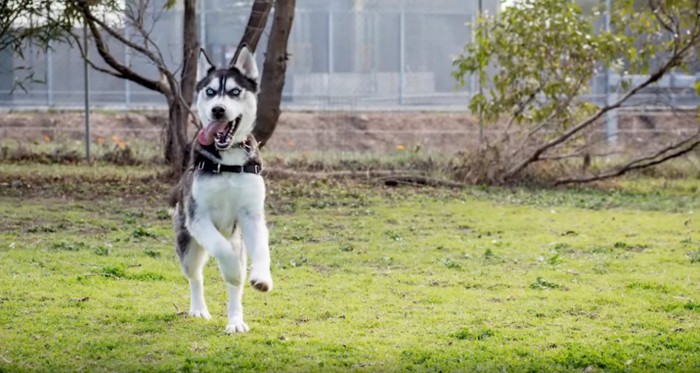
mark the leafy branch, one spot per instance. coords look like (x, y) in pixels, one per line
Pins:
(538, 58)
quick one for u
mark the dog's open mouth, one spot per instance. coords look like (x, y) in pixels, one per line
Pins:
(223, 138)
(219, 133)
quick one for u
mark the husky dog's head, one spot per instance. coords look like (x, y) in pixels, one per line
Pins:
(227, 100)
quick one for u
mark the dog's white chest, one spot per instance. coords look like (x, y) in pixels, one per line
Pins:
(224, 197)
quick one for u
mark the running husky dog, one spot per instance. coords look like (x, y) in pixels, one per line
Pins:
(220, 198)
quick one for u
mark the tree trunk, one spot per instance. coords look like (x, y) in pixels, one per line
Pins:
(256, 23)
(190, 52)
(178, 91)
(175, 143)
(274, 70)
(179, 114)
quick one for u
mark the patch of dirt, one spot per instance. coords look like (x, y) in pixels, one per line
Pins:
(374, 131)
(36, 125)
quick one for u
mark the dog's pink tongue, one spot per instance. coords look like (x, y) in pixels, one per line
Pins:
(206, 135)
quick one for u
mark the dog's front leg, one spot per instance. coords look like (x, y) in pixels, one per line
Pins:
(255, 236)
(231, 260)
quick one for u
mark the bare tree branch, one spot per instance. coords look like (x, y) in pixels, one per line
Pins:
(562, 104)
(256, 24)
(158, 62)
(670, 152)
(93, 65)
(519, 111)
(655, 8)
(560, 157)
(107, 56)
(136, 20)
(658, 74)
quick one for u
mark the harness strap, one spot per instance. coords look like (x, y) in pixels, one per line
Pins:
(207, 162)
(208, 166)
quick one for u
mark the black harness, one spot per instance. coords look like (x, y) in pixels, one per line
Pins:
(205, 165)
(207, 162)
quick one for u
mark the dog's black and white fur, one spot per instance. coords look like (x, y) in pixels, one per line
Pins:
(219, 213)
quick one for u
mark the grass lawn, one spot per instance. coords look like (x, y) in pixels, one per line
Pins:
(367, 278)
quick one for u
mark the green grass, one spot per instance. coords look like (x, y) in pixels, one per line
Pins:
(367, 278)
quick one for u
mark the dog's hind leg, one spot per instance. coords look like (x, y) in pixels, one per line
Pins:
(192, 266)
(192, 260)
(232, 266)
(235, 291)
(255, 236)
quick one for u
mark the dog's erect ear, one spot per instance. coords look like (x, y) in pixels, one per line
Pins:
(204, 65)
(244, 61)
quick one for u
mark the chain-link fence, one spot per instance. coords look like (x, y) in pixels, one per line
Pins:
(344, 55)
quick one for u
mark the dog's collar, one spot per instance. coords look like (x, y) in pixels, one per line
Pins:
(208, 162)
(208, 166)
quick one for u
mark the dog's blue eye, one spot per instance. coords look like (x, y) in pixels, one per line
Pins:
(210, 92)
(235, 92)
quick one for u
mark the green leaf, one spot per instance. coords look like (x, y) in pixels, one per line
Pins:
(553, 47)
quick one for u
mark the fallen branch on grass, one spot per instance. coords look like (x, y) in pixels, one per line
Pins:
(670, 152)
(386, 177)
(177, 310)
(368, 174)
(418, 181)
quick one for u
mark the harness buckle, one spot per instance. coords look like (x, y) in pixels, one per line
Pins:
(218, 169)
(200, 166)
(258, 169)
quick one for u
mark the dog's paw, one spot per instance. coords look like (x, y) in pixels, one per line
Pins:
(261, 285)
(236, 327)
(261, 281)
(203, 313)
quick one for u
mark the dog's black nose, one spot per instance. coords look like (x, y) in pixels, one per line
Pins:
(218, 112)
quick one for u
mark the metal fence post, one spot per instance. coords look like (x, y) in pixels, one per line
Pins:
(87, 93)
(331, 61)
(402, 53)
(127, 60)
(479, 80)
(49, 75)
(610, 116)
(202, 25)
